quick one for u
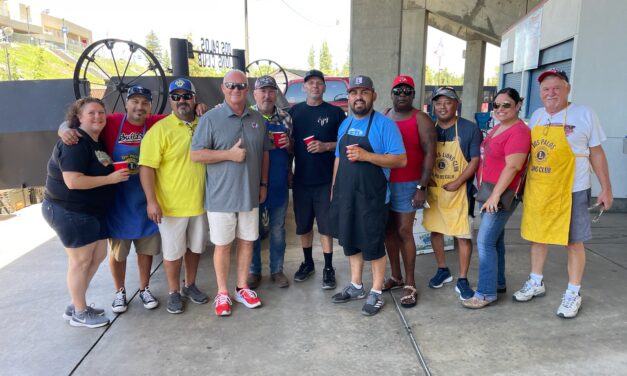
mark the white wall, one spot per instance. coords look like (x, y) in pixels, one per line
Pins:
(599, 78)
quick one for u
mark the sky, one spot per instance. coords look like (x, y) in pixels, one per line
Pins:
(279, 30)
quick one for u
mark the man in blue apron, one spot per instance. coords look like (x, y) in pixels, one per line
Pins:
(369, 145)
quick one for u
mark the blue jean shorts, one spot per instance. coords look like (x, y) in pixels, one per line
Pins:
(580, 224)
(74, 229)
(401, 195)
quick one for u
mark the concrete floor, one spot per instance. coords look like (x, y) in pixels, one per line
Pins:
(299, 331)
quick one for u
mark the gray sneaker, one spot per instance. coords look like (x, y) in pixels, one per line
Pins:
(373, 305)
(192, 293)
(69, 311)
(175, 304)
(119, 304)
(349, 293)
(149, 300)
(88, 319)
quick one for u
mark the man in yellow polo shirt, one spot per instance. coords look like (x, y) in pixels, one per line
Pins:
(174, 188)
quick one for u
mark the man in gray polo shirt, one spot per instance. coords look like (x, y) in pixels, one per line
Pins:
(231, 140)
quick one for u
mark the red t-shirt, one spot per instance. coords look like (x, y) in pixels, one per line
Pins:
(131, 134)
(517, 139)
(415, 155)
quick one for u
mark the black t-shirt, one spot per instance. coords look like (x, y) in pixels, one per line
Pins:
(88, 157)
(322, 122)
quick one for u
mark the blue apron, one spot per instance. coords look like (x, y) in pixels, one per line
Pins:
(127, 218)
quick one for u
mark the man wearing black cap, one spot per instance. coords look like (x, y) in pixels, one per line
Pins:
(369, 145)
(316, 123)
(279, 128)
(565, 143)
(458, 152)
(127, 221)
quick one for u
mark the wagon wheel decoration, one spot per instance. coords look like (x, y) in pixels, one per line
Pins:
(265, 67)
(108, 67)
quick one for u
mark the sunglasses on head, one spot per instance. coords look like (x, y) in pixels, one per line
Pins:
(505, 105)
(236, 85)
(403, 90)
(178, 97)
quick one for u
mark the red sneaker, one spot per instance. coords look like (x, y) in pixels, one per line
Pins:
(247, 297)
(223, 304)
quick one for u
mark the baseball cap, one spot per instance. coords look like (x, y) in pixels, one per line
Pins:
(553, 72)
(403, 80)
(139, 90)
(360, 82)
(182, 84)
(314, 73)
(266, 81)
(447, 91)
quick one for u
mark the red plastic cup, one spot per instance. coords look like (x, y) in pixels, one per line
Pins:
(309, 140)
(351, 145)
(277, 137)
(120, 165)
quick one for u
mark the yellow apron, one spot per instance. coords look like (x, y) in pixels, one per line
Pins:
(448, 212)
(548, 190)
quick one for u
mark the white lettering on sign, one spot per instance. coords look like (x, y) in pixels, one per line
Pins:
(215, 54)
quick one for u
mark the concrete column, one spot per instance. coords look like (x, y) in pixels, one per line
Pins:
(375, 43)
(473, 78)
(414, 47)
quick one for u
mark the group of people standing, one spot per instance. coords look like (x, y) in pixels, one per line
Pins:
(361, 178)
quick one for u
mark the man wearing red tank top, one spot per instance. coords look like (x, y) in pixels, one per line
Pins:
(408, 186)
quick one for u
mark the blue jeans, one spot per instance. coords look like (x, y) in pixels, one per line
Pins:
(491, 247)
(277, 241)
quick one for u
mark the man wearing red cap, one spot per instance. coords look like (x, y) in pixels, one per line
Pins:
(407, 185)
(565, 143)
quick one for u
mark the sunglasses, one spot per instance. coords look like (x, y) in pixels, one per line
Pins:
(178, 97)
(236, 85)
(403, 90)
(597, 217)
(505, 105)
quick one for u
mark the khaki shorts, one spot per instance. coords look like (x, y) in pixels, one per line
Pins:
(225, 227)
(149, 246)
(178, 234)
(467, 236)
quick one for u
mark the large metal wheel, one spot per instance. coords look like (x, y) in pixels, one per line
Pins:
(108, 67)
(267, 67)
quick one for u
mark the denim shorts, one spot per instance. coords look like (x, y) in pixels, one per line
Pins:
(580, 227)
(74, 229)
(401, 195)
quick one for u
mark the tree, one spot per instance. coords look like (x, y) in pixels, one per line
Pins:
(154, 45)
(166, 61)
(345, 72)
(494, 79)
(326, 61)
(442, 77)
(311, 59)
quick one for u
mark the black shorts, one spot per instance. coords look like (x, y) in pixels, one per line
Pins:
(374, 253)
(74, 229)
(311, 201)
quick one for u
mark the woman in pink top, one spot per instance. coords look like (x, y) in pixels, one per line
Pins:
(503, 157)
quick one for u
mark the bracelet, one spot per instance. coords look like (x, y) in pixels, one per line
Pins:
(263, 184)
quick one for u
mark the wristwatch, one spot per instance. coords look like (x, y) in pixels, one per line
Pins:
(421, 187)
(263, 184)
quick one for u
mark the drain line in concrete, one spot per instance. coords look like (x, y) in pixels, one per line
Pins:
(412, 339)
(108, 327)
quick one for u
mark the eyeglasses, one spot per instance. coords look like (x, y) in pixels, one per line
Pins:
(236, 85)
(178, 97)
(505, 105)
(597, 217)
(403, 90)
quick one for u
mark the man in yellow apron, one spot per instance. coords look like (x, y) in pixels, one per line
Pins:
(451, 201)
(566, 142)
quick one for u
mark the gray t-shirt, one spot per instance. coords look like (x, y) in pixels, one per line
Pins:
(232, 186)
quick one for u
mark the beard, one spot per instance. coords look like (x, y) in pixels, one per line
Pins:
(363, 110)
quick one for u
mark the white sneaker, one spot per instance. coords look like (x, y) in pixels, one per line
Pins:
(571, 303)
(529, 291)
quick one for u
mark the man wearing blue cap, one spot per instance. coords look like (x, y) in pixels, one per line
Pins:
(174, 188)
